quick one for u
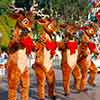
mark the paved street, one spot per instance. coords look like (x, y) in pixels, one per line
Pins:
(91, 94)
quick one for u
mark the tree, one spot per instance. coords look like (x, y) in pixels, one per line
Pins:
(4, 6)
(71, 9)
(24, 4)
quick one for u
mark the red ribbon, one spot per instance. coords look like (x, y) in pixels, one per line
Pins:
(72, 46)
(28, 44)
(51, 45)
(98, 16)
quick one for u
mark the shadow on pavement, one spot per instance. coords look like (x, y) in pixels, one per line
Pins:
(3, 95)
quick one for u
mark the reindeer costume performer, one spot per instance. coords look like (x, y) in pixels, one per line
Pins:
(20, 46)
(84, 60)
(69, 59)
(45, 50)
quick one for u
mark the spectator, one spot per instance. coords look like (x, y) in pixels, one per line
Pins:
(3, 60)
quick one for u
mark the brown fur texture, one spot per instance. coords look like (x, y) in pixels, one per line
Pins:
(66, 68)
(14, 77)
(18, 74)
(85, 65)
(44, 72)
(66, 72)
(42, 76)
(85, 61)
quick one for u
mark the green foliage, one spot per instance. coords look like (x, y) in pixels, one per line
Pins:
(4, 47)
(24, 4)
(39, 30)
(4, 9)
(5, 28)
(6, 24)
(71, 9)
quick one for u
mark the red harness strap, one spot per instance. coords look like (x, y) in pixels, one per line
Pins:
(72, 46)
(51, 45)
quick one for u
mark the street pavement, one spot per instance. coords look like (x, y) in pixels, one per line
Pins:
(91, 94)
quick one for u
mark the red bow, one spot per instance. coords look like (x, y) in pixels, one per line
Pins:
(28, 44)
(91, 46)
(51, 45)
(98, 16)
(72, 46)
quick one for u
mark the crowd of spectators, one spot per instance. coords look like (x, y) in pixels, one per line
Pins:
(3, 61)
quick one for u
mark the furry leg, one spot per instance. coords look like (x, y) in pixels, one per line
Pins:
(93, 73)
(84, 72)
(77, 77)
(66, 78)
(40, 75)
(51, 82)
(24, 85)
(13, 78)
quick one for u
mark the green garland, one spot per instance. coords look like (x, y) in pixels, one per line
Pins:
(39, 30)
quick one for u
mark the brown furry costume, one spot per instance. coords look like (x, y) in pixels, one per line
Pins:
(17, 66)
(69, 59)
(85, 49)
(43, 66)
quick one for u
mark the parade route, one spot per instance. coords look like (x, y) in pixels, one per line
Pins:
(49, 38)
(91, 94)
